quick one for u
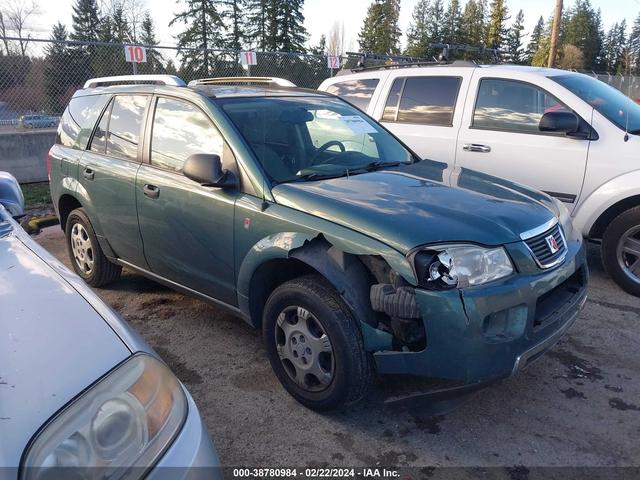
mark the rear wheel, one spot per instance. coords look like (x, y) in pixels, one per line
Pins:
(85, 253)
(314, 344)
(621, 250)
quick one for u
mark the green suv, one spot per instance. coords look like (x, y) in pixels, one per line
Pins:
(309, 220)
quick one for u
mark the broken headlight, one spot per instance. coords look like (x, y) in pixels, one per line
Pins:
(450, 266)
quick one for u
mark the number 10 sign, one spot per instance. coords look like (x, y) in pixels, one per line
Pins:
(135, 53)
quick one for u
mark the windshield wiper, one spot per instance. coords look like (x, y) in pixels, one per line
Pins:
(378, 164)
(634, 132)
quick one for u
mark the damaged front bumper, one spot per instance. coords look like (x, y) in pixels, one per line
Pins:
(485, 333)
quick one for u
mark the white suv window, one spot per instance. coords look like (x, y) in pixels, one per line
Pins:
(512, 106)
(422, 100)
(356, 92)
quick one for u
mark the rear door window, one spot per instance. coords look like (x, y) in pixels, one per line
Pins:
(125, 123)
(423, 100)
(357, 92)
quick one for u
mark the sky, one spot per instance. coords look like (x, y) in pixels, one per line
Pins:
(320, 15)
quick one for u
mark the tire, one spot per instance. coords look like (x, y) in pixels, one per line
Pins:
(85, 253)
(348, 364)
(620, 240)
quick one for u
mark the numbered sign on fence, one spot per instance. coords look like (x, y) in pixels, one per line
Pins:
(248, 58)
(333, 62)
(135, 53)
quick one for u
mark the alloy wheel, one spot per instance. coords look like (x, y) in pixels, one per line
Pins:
(628, 253)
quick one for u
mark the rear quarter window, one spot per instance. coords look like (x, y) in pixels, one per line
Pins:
(356, 92)
(78, 120)
(422, 100)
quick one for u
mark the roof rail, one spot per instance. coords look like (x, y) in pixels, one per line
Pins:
(125, 79)
(225, 80)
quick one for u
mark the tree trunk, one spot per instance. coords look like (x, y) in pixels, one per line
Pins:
(555, 33)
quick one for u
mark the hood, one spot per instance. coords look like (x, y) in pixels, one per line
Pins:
(423, 203)
(53, 345)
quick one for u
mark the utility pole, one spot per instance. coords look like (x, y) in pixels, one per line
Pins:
(555, 33)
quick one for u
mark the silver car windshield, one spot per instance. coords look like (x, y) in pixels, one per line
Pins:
(308, 138)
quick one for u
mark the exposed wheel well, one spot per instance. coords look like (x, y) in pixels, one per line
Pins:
(598, 228)
(269, 276)
(66, 205)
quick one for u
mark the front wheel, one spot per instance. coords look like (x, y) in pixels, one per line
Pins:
(314, 344)
(621, 250)
(85, 253)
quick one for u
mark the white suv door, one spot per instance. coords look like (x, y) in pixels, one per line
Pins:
(424, 109)
(500, 136)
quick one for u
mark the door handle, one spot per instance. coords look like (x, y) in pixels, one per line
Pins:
(151, 191)
(475, 147)
(88, 174)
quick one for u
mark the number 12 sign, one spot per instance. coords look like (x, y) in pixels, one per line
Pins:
(135, 53)
(333, 62)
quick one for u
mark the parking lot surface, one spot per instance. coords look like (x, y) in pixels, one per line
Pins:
(577, 406)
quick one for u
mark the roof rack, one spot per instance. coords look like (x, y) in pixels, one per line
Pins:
(126, 79)
(449, 48)
(226, 80)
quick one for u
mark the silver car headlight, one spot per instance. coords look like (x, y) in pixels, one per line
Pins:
(124, 421)
(450, 266)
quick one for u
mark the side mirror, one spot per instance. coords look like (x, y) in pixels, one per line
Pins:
(11, 196)
(206, 169)
(560, 122)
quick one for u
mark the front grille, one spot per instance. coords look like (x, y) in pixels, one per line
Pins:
(542, 251)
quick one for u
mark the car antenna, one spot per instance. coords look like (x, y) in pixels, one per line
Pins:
(264, 204)
(626, 128)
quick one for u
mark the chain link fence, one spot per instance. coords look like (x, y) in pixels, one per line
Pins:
(35, 88)
(627, 84)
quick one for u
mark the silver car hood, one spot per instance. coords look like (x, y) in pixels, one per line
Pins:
(53, 342)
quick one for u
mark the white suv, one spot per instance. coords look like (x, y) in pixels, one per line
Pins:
(565, 133)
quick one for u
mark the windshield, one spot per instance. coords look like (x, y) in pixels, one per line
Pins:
(308, 138)
(612, 103)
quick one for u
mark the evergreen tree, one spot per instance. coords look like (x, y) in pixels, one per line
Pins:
(472, 23)
(541, 57)
(452, 30)
(57, 80)
(514, 39)
(614, 45)
(155, 62)
(232, 15)
(634, 45)
(121, 30)
(203, 31)
(583, 28)
(85, 21)
(85, 27)
(380, 32)
(436, 22)
(256, 26)
(418, 34)
(496, 26)
(534, 41)
(291, 33)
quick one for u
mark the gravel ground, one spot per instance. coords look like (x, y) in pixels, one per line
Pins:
(578, 406)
